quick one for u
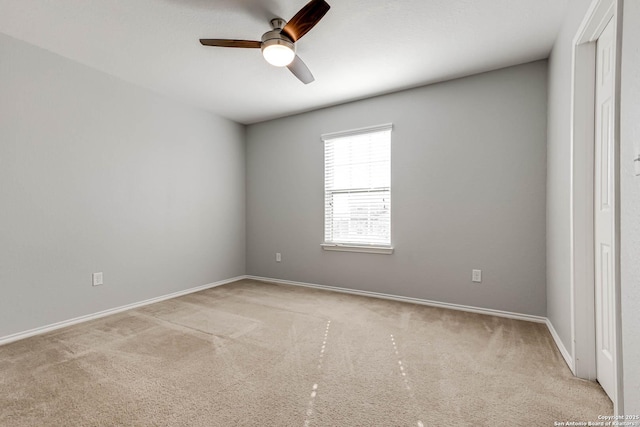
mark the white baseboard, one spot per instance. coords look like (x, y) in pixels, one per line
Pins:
(479, 310)
(518, 316)
(52, 327)
(563, 350)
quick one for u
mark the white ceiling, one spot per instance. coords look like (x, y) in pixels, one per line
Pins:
(359, 49)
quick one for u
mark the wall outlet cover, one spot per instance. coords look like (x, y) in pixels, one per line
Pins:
(97, 279)
(476, 276)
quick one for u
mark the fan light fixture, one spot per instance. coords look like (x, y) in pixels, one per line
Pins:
(278, 52)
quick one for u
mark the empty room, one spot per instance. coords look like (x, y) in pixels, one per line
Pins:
(319, 213)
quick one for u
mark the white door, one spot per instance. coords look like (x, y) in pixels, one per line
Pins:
(605, 212)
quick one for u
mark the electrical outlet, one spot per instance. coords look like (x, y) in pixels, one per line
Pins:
(278, 257)
(476, 276)
(97, 279)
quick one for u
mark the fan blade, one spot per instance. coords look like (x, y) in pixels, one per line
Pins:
(231, 43)
(305, 19)
(300, 70)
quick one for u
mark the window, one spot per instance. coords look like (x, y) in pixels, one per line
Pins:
(357, 186)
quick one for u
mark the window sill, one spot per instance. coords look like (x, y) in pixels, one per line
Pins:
(383, 250)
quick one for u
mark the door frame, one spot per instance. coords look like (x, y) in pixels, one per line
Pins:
(583, 75)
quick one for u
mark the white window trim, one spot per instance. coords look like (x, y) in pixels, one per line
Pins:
(368, 129)
(383, 250)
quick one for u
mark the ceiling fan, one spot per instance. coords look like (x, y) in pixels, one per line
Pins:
(278, 45)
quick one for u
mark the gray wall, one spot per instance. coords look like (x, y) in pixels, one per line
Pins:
(100, 175)
(468, 191)
(559, 175)
(630, 206)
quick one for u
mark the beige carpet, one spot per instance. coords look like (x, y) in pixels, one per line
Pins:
(256, 354)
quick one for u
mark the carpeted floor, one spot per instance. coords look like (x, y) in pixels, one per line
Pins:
(256, 354)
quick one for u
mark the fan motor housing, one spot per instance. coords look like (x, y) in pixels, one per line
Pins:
(275, 37)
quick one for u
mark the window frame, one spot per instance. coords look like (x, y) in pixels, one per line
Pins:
(355, 247)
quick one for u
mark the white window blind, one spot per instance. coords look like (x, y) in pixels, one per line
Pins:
(358, 187)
